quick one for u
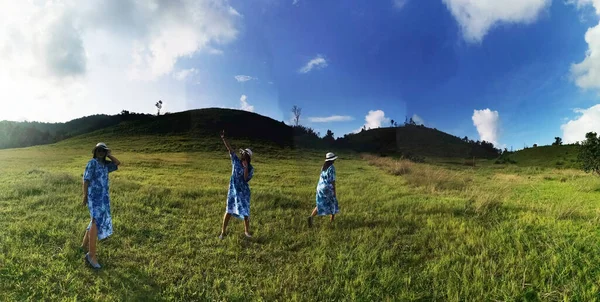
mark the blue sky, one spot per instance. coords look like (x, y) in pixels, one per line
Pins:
(407, 61)
(513, 72)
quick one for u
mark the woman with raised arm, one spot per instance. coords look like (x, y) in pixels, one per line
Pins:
(238, 196)
(97, 200)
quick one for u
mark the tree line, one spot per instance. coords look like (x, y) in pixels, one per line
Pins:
(25, 134)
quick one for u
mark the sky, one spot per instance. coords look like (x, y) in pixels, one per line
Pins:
(512, 72)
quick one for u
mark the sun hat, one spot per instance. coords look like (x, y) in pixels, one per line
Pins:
(330, 156)
(247, 151)
(100, 146)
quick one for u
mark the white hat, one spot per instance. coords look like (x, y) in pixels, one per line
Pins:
(102, 145)
(330, 156)
(248, 151)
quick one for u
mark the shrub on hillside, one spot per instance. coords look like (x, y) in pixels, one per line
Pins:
(505, 159)
(589, 154)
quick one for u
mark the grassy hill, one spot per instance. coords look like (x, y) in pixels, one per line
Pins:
(414, 140)
(203, 123)
(25, 134)
(564, 156)
(198, 130)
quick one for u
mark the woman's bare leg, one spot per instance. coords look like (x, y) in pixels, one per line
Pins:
(85, 243)
(225, 223)
(310, 218)
(93, 236)
(247, 226)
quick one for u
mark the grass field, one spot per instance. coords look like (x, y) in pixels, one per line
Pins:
(406, 231)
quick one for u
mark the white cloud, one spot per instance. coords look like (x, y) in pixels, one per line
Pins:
(234, 12)
(588, 121)
(585, 3)
(244, 78)
(375, 119)
(399, 4)
(295, 2)
(317, 62)
(181, 29)
(65, 59)
(477, 17)
(214, 51)
(487, 123)
(244, 104)
(333, 118)
(587, 72)
(418, 120)
(184, 73)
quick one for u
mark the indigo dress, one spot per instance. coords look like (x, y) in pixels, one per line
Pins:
(327, 203)
(238, 196)
(98, 200)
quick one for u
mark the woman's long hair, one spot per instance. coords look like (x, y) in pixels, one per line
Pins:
(326, 165)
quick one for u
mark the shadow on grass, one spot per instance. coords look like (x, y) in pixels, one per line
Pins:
(132, 282)
(487, 212)
(353, 222)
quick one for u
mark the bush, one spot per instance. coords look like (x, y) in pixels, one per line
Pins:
(589, 154)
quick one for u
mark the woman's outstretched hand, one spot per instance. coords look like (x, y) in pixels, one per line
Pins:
(225, 142)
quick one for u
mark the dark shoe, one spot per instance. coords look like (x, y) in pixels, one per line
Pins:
(310, 221)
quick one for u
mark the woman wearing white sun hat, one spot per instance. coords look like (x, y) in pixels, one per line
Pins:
(326, 198)
(238, 196)
(96, 198)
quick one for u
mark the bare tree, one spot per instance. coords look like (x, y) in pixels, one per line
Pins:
(159, 106)
(297, 111)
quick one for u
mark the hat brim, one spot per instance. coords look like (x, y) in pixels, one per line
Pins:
(100, 147)
(331, 159)
(246, 152)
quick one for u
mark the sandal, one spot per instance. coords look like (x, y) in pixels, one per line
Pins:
(89, 261)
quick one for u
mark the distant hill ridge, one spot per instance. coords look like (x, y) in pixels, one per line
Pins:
(411, 140)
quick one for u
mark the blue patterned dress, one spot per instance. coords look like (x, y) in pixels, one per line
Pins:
(98, 200)
(238, 196)
(327, 203)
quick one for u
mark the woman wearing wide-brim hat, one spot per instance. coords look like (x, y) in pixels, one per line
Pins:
(97, 200)
(326, 197)
(238, 195)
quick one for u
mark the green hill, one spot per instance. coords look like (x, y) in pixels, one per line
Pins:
(26, 134)
(417, 140)
(198, 130)
(547, 156)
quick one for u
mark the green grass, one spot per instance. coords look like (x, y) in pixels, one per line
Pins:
(548, 156)
(406, 231)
